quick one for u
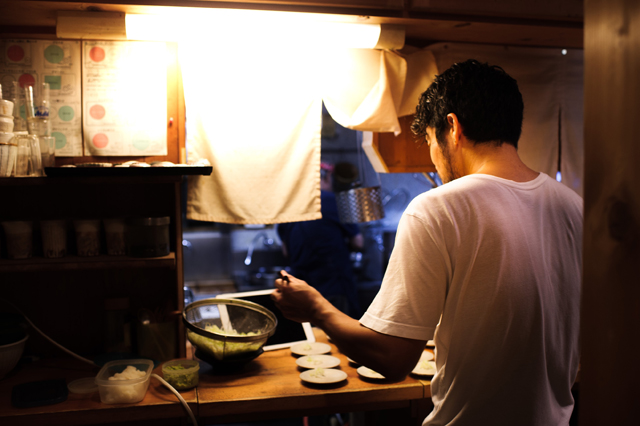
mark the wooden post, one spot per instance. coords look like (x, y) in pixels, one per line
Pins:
(611, 284)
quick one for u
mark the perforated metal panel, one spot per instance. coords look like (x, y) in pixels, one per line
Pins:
(360, 205)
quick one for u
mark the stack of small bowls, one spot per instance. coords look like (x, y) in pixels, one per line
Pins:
(8, 149)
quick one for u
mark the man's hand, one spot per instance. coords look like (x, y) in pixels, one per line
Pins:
(297, 300)
(393, 357)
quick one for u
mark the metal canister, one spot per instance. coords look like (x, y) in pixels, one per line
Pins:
(147, 236)
(360, 205)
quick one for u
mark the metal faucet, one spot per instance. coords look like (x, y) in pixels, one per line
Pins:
(267, 242)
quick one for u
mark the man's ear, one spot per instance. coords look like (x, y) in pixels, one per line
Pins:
(455, 128)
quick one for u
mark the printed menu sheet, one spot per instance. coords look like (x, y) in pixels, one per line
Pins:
(124, 88)
(57, 62)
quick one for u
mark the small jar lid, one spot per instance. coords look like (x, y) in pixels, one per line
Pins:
(149, 221)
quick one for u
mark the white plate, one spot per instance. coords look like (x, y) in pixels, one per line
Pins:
(353, 361)
(431, 343)
(318, 361)
(426, 356)
(323, 375)
(425, 368)
(369, 373)
(310, 348)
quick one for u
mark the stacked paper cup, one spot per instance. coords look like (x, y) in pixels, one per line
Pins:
(8, 149)
(19, 238)
(54, 238)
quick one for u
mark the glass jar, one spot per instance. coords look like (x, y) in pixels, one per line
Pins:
(148, 236)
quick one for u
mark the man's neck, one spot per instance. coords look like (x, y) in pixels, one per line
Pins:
(501, 161)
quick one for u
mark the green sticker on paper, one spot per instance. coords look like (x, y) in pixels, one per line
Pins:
(61, 140)
(54, 54)
(141, 141)
(66, 113)
(55, 81)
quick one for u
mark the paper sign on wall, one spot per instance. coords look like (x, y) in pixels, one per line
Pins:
(57, 62)
(125, 98)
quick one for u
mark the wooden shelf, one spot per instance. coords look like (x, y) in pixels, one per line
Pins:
(69, 263)
(86, 283)
(88, 180)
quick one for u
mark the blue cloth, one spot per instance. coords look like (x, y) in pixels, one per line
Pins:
(319, 254)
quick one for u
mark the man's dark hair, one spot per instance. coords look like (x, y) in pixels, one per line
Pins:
(485, 99)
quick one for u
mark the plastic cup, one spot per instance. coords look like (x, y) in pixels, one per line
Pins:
(8, 154)
(37, 101)
(48, 150)
(39, 126)
(29, 102)
(29, 158)
(87, 237)
(20, 124)
(19, 237)
(54, 238)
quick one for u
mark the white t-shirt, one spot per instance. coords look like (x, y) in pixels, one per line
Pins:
(491, 270)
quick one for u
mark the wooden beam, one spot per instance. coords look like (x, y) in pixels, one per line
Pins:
(610, 319)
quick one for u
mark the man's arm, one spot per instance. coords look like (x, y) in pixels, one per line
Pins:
(393, 357)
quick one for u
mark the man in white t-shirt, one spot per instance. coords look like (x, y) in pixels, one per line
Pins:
(487, 265)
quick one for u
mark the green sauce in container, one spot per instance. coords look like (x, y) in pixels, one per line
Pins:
(182, 374)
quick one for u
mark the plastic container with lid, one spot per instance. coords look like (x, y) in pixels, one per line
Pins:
(182, 374)
(124, 381)
(147, 236)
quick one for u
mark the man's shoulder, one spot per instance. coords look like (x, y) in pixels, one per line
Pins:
(462, 187)
(481, 189)
(562, 193)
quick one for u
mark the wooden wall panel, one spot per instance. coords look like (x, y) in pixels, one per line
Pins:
(541, 9)
(611, 290)
(403, 153)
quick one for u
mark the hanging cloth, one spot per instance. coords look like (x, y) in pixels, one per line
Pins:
(551, 84)
(368, 90)
(256, 116)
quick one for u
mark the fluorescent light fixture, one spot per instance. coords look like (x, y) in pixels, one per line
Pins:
(91, 25)
(231, 27)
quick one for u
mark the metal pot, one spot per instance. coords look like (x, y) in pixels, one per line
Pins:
(360, 205)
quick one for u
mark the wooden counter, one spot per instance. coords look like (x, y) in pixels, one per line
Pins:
(268, 387)
(159, 406)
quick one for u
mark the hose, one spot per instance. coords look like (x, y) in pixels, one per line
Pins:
(88, 361)
(176, 393)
